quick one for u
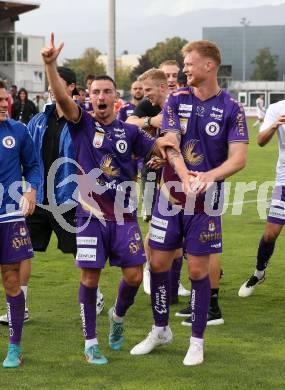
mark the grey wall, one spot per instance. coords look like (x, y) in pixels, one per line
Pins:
(230, 39)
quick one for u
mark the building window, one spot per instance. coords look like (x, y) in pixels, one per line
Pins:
(2, 49)
(10, 48)
(19, 49)
(7, 48)
(38, 76)
(22, 49)
(25, 49)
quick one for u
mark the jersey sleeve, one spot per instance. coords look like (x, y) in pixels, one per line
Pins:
(270, 117)
(170, 118)
(76, 127)
(143, 143)
(122, 116)
(238, 131)
(145, 108)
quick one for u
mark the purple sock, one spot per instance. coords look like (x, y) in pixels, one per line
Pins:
(264, 253)
(87, 299)
(160, 293)
(200, 301)
(125, 298)
(175, 272)
(15, 312)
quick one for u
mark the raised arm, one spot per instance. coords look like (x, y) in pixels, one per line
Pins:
(65, 102)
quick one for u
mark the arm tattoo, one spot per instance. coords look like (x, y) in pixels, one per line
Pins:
(172, 154)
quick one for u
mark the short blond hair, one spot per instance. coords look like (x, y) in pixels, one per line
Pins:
(205, 49)
(169, 62)
(153, 74)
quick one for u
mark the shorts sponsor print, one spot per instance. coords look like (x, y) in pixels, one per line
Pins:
(199, 234)
(121, 244)
(276, 212)
(15, 242)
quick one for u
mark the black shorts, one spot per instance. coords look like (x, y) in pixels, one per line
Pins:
(41, 225)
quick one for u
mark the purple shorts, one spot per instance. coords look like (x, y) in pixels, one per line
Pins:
(276, 212)
(15, 242)
(198, 234)
(122, 244)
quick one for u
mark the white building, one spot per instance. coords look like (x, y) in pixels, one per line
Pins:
(124, 61)
(247, 92)
(20, 59)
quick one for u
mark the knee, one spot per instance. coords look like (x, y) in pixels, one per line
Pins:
(158, 265)
(89, 278)
(135, 279)
(197, 273)
(11, 283)
(270, 236)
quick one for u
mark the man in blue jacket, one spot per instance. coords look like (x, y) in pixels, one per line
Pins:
(17, 159)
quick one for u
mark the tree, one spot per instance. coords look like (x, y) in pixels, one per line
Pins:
(87, 64)
(170, 49)
(123, 79)
(265, 66)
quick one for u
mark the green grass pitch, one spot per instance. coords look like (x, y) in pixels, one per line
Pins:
(247, 352)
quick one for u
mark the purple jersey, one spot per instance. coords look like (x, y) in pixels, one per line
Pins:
(125, 111)
(104, 153)
(206, 128)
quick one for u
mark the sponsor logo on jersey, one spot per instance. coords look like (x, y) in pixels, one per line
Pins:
(185, 107)
(23, 231)
(215, 116)
(184, 114)
(200, 111)
(189, 153)
(212, 129)
(92, 241)
(121, 146)
(86, 254)
(99, 128)
(217, 109)
(119, 133)
(107, 167)
(209, 236)
(98, 140)
(159, 222)
(240, 124)
(9, 142)
(212, 226)
(157, 235)
(183, 125)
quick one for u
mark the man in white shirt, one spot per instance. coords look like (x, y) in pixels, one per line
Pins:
(274, 122)
(260, 110)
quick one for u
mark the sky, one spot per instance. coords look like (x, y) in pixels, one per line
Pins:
(68, 19)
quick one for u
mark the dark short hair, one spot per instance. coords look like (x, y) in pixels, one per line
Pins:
(23, 90)
(67, 75)
(89, 77)
(105, 77)
(2, 85)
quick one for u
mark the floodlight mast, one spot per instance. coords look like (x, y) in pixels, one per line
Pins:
(245, 23)
(111, 68)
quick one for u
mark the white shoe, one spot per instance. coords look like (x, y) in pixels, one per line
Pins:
(146, 280)
(4, 318)
(154, 339)
(195, 353)
(248, 287)
(182, 292)
(99, 303)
